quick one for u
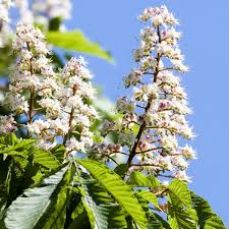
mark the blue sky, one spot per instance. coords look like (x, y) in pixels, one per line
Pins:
(204, 25)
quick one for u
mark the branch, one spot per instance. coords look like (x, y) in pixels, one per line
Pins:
(142, 128)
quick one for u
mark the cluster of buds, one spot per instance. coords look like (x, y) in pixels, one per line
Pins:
(159, 104)
(54, 105)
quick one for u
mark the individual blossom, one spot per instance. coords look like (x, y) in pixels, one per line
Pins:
(7, 124)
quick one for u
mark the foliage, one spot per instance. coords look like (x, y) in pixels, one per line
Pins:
(76, 41)
(57, 196)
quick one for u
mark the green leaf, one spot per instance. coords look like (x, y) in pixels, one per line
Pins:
(94, 202)
(58, 151)
(180, 211)
(29, 208)
(55, 23)
(117, 218)
(154, 221)
(207, 219)
(80, 218)
(101, 209)
(179, 194)
(182, 218)
(76, 41)
(157, 222)
(120, 191)
(55, 215)
(121, 169)
(45, 158)
(12, 140)
(139, 179)
(97, 212)
(150, 197)
(6, 59)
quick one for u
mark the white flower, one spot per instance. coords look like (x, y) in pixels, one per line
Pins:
(145, 92)
(169, 143)
(16, 103)
(188, 152)
(74, 102)
(60, 126)
(45, 144)
(179, 162)
(178, 65)
(52, 106)
(7, 124)
(77, 66)
(123, 105)
(73, 144)
(133, 78)
(181, 175)
(38, 126)
(148, 63)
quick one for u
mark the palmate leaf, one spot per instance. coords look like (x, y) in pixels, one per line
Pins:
(77, 41)
(118, 189)
(207, 219)
(29, 208)
(180, 211)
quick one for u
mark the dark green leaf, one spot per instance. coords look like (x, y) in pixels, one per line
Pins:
(121, 169)
(29, 208)
(207, 219)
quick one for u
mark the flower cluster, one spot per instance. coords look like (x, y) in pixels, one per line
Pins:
(55, 105)
(156, 112)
